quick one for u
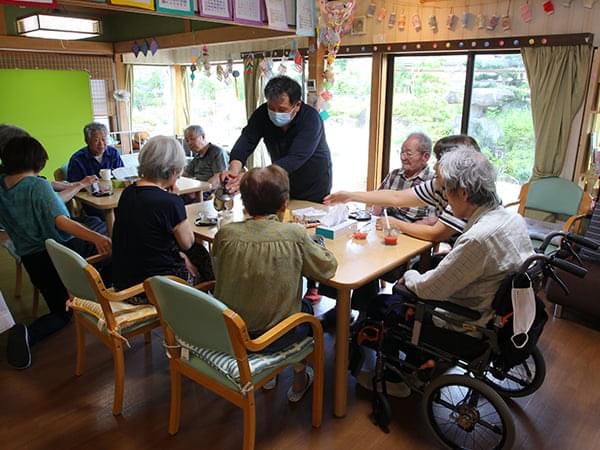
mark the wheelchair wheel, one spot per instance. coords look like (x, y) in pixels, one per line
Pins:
(523, 379)
(465, 413)
(382, 412)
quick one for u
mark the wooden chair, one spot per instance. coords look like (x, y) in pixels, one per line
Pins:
(10, 248)
(101, 311)
(551, 198)
(209, 343)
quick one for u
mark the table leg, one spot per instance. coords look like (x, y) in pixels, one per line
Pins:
(342, 333)
(110, 221)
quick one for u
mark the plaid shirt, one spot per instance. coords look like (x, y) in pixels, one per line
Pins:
(396, 181)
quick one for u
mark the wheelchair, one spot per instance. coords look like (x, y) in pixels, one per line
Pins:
(462, 393)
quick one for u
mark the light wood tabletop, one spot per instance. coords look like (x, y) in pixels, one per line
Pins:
(110, 202)
(359, 262)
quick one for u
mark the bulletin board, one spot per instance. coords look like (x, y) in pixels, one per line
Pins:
(52, 105)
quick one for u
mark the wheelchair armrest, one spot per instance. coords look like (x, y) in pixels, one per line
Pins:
(453, 308)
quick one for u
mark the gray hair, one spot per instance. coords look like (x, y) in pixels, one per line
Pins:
(424, 141)
(7, 132)
(161, 157)
(196, 129)
(91, 128)
(466, 168)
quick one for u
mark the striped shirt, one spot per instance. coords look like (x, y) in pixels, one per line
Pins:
(397, 181)
(593, 232)
(428, 193)
(494, 243)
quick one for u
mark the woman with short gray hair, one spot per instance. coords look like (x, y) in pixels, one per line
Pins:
(151, 234)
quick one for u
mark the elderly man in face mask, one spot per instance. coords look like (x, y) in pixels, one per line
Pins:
(294, 135)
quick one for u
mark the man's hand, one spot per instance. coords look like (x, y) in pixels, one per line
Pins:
(231, 180)
(88, 181)
(338, 197)
(103, 244)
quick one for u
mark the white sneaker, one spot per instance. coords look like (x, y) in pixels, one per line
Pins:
(400, 390)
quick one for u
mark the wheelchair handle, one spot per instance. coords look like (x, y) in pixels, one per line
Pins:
(569, 267)
(583, 241)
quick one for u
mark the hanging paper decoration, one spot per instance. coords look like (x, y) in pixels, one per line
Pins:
(381, 14)
(493, 23)
(451, 20)
(154, 46)
(298, 61)
(335, 19)
(270, 73)
(505, 21)
(481, 21)
(326, 95)
(371, 9)
(466, 17)
(193, 69)
(205, 60)
(220, 72)
(262, 68)
(433, 23)
(416, 21)
(144, 48)
(135, 49)
(392, 20)
(236, 75)
(588, 3)
(401, 21)
(567, 3)
(248, 65)
(526, 12)
(282, 69)
(548, 7)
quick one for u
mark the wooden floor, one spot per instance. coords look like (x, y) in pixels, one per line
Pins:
(47, 407)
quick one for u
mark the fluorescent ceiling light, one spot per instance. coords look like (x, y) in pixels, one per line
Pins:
(58, 27)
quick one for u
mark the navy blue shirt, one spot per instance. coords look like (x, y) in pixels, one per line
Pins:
(83, 163)
(302, 150)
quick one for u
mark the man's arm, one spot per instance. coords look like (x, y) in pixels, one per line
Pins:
(439, 232)
(400, 199)
(103, 244)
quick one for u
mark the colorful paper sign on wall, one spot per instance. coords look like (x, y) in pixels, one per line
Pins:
(143, 4)
(276, 14)
(32, 3)
(249, 11)
(220, 9)
(180, 7)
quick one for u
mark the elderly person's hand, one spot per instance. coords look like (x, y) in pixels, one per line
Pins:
(394, 223)
(88, 181)
(338, 197)
(103, 244)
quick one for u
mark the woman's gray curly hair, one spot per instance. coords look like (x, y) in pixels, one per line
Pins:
(466, 168)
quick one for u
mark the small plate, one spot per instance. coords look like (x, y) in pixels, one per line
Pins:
(361, 215)
(206, 221)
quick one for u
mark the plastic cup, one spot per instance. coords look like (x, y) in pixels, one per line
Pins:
(361, 235)
(390, 236)
(105, 174)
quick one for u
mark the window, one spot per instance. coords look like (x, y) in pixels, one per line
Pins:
(218, 107)
(429, 96)
(500, 119)
(347, 127)
(152, 109)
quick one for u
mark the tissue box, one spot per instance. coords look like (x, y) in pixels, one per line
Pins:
(336, 230)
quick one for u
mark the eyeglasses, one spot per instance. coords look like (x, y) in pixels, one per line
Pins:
(408, 152)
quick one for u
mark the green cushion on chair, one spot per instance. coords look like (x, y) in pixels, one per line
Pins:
(221, 364)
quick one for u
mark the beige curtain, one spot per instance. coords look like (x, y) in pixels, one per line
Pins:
(558, 77)
(253, 90)
(182, 99)
(129, 88)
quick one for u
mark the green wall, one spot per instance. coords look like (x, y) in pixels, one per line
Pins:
(52, 105)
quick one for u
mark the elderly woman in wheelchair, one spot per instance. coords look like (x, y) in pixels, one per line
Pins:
(464, 327)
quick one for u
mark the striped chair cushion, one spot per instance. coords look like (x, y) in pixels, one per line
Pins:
(227, 365)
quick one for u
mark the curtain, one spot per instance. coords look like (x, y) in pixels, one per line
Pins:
(129, 88)
(253, 90)
(558, 77)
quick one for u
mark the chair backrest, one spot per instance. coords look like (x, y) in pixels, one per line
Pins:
(60, 174)
(70, 267)
(193, 315)
(555, 195)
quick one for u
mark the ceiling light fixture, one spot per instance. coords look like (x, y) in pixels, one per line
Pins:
(47, 26)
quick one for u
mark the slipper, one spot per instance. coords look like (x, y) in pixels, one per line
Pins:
(294, 396)
(270, 385)
(312, 295)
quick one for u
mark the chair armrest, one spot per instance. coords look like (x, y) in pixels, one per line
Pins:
(451, 307)
(206, 285)
(125, 293)
(571, 221)
(508, 205)
(96, 258)
(267, 338)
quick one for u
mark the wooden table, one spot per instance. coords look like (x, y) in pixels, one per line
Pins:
(109, 203)
(359, 262)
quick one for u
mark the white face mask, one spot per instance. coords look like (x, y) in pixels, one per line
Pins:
(280, 119)
(523, 302)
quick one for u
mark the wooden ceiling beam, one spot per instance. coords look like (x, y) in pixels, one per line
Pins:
(15, 43)
(219, 35)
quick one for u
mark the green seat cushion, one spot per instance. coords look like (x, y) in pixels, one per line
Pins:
(223, 367)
